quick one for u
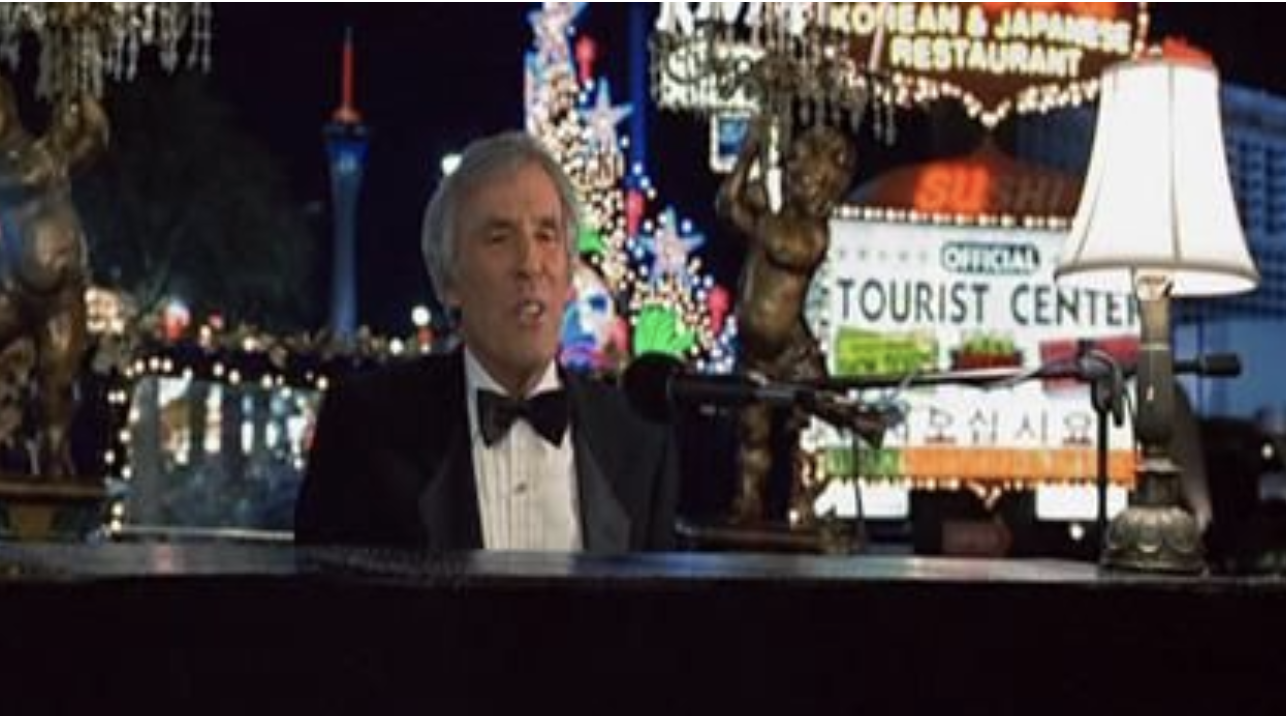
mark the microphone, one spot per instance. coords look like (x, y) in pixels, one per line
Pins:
(1094, 364)
(655, 383)
(1213, 365)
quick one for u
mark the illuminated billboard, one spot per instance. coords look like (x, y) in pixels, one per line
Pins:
(995, 57)
(900, 298)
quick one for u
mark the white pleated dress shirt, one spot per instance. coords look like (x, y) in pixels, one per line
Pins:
(526, 486)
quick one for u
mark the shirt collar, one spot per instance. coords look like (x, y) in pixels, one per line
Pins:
(477, 378)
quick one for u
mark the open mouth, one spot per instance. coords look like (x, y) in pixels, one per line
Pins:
(531, 310)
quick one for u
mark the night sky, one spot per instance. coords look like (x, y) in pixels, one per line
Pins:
(432, 77)
(429, 78)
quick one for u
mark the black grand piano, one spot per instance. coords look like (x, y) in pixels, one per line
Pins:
(234, 628)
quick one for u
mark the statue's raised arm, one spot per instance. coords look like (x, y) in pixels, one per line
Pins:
(743, 196)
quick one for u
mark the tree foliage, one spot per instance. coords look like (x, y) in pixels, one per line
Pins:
(186, 205)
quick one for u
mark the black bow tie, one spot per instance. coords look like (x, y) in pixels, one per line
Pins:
(547, 413)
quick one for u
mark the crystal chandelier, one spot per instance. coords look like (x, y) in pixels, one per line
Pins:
(836, 62)
(782, 60)
(83, 43)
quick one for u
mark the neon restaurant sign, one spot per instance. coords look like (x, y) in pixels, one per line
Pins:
(997, 58)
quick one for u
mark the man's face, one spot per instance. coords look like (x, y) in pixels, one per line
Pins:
(512, 278)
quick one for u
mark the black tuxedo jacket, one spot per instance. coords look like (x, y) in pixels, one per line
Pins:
(391, 464)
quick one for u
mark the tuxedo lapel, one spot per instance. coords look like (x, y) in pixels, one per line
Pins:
(605, 523)
(449, 500)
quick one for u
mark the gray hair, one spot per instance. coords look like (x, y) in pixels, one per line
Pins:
(482, 160)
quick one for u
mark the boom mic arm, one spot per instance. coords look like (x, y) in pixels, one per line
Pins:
(656, 384)
(1213, 365)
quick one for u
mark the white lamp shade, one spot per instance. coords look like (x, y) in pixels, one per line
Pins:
(1157, 198)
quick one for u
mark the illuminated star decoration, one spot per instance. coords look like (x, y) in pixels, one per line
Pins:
(601, 119)
(552, 25)
(660, 291)
(670, 250)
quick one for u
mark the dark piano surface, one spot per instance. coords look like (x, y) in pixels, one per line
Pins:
(230, 628)
(222, 559)
(54, 562)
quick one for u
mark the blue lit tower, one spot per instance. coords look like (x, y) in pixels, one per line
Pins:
(346, 142)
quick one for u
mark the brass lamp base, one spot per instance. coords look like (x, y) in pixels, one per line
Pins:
(42, 510)
(1154, 538)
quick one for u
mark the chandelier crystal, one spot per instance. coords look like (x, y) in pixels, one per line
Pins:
(783, 60)
(82, 44)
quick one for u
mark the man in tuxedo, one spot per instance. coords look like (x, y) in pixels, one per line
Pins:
(491, 445)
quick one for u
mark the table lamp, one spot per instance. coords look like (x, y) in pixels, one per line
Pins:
(1157, 219)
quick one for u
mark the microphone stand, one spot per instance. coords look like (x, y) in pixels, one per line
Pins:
(1107, 396)
(863, 423)
(828, 400)
(1099, 368)
(859, 512)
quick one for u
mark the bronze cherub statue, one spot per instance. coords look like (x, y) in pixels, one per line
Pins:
(43, 265)
(785, 247)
